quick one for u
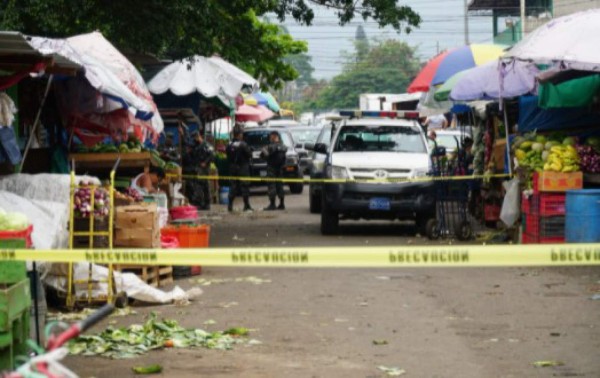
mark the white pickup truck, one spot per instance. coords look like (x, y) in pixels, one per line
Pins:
(366, 151)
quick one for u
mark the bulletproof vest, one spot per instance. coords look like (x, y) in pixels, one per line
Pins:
(235, 153)
(277, 154)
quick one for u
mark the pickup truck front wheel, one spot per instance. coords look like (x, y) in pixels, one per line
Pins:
(314, 201)
(330, 220)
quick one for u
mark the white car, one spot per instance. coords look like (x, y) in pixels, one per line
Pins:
(375, 148)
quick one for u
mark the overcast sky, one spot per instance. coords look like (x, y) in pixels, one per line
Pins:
(442, 27)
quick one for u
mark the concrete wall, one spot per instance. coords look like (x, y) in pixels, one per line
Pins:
(565, 7)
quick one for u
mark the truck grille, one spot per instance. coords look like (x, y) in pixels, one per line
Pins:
(362, 173)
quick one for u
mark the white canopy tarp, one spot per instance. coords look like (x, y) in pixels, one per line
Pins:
(211, 77)
(571, 41)
(107, 70)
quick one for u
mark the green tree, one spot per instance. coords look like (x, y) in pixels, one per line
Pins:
(180, 28)
(388, 68)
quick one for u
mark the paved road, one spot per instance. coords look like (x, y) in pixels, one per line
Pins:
(323, 322)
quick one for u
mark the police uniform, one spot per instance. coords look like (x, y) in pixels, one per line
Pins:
(198, 191)
(275, 155)
(168, 151)
(238, 156)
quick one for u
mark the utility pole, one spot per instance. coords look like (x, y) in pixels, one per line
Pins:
(467, 21)
(523, 18)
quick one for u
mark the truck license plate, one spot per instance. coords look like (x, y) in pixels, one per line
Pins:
(263, 173)
(379, 204)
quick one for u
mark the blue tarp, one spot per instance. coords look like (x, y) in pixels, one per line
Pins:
(532, 117)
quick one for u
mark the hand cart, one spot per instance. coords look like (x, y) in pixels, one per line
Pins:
(95, 235)
(452, 198)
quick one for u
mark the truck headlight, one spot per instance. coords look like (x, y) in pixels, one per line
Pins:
(337, 173)
(422, 172)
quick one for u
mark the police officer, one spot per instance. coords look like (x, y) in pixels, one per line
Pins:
(238, 156)
(275, 154)
(168, 151)
(197, 162)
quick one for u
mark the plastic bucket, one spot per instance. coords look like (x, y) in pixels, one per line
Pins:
(582, 216)
(224, 195)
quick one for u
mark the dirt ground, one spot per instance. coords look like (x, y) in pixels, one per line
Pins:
(323, 322)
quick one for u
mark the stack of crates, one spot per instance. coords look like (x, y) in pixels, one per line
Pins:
(543, 218)
(15, 300)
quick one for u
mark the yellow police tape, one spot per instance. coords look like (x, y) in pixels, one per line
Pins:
(341, 181)
(331, 257)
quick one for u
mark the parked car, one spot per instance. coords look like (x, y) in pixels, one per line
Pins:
(257, 139)
(372, 148)
(451, 139)
(303, 135)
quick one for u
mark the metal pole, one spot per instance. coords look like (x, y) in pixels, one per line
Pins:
(35, 123)
(467, 22)
(523, 17)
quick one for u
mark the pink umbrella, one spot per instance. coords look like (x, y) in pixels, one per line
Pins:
(246, 113)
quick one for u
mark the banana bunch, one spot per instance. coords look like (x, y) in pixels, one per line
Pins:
(562, 158)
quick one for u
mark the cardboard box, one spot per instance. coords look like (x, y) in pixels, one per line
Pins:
(137, 226)
(557, 181)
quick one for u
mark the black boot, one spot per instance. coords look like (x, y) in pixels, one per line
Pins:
(271, 206)
(230, 204)
(281, 204)
(247, 204)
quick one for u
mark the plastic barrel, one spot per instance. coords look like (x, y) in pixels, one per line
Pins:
(224, 195)
(582, 216)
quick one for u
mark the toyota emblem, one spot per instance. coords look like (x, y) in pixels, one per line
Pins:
(381, 174)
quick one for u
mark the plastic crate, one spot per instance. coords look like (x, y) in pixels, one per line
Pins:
(14, 239)
(531, 239)
(544, 204)
(189, 237)
(545, 227)
(491, 213)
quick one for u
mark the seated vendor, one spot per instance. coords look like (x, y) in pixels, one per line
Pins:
(147, 182)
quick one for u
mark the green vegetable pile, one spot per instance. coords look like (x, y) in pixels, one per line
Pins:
(138, 339)
(13, 221)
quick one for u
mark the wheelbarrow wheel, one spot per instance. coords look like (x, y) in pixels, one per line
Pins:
(432, 229)
(121, 300)
(464, 231)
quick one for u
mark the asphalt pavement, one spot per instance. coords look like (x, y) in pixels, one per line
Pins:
(461, 322)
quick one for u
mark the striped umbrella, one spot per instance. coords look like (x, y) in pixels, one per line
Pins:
(448, 63)
(262, 98)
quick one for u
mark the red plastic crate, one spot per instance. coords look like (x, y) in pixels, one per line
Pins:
(545, 227)
(491, 213)
(531, 239)
(544, 204)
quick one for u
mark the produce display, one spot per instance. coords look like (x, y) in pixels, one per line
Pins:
(133, 144)
(130, 195)
(589, 154)
(540, 153)
(83, 202)
(13, 221)
(135, 194)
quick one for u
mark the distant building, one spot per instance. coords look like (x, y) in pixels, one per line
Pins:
(506, 15)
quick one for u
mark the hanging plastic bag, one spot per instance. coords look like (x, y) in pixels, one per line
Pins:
(510, 207)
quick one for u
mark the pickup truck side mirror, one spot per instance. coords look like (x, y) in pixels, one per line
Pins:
(309, 146)
(320, 148)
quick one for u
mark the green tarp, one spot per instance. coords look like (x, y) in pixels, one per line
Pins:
(574, 93)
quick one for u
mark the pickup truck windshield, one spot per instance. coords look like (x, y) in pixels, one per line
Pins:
(380, 138)
(257, 139)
